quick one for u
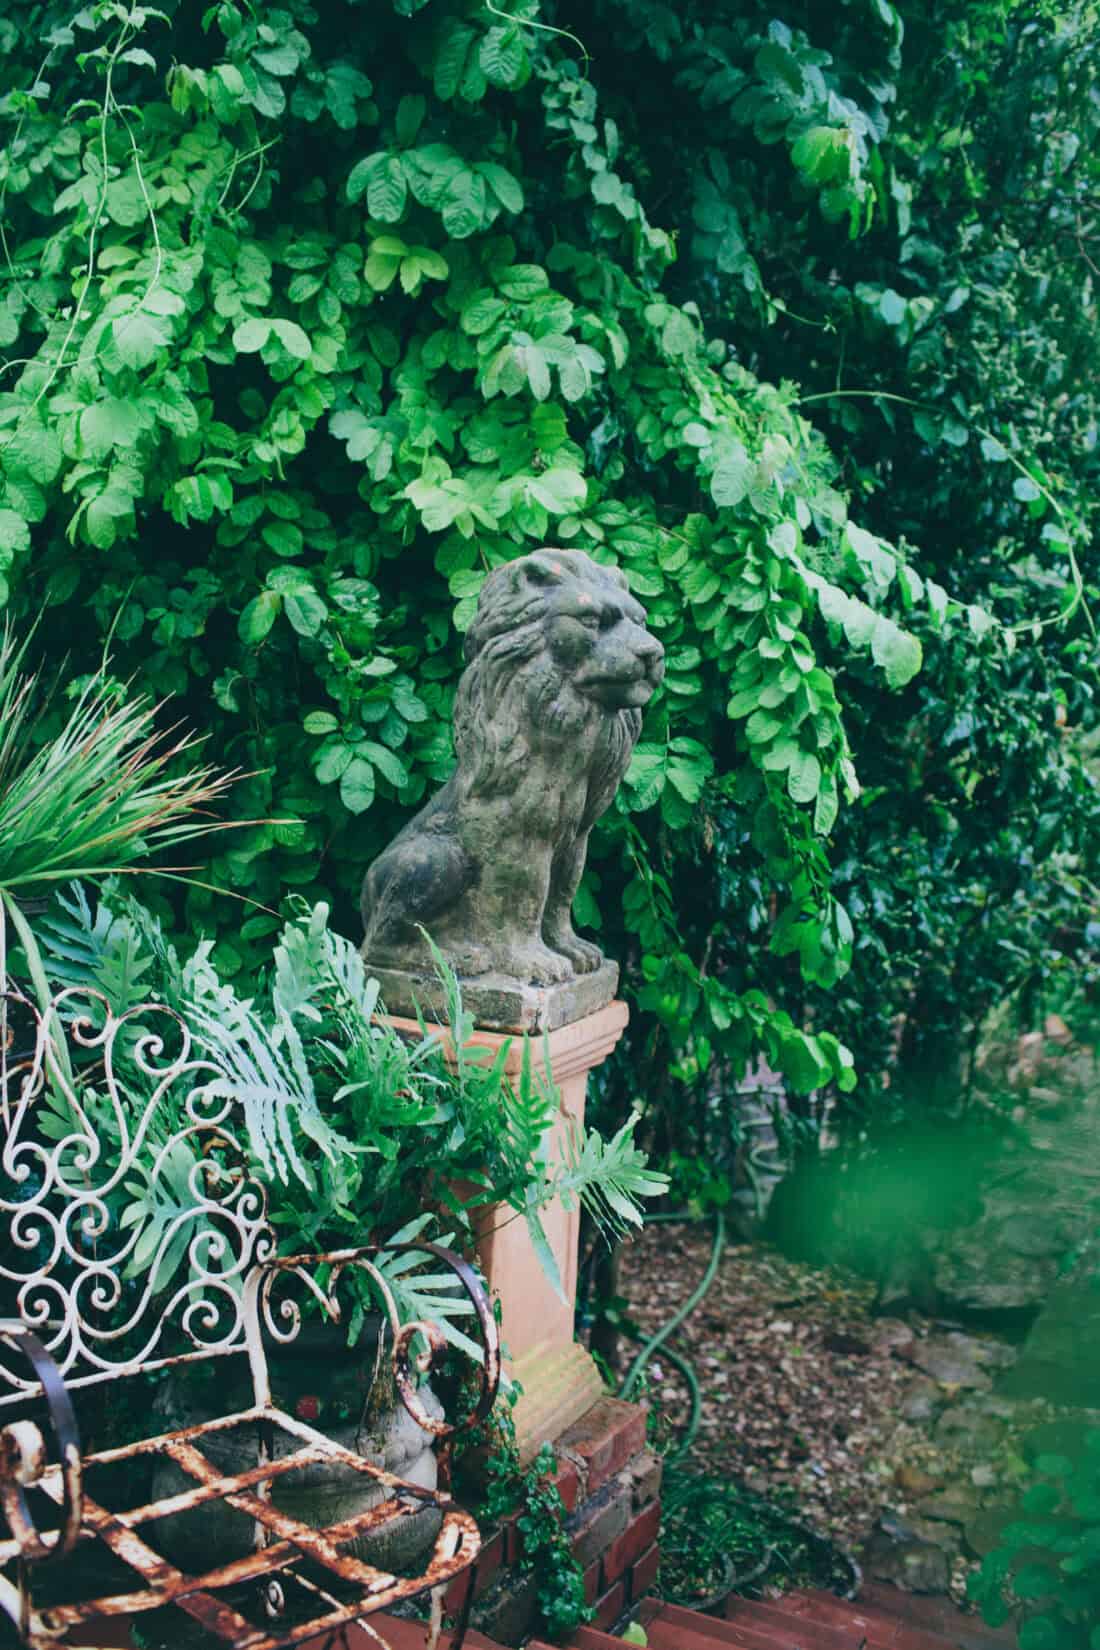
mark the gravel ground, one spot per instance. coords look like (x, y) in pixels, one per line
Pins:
(803, 1390)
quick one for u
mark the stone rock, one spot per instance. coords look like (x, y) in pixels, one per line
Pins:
(955, 1359)
(966, 1428)
(913, 1480)
(898, 1553)
(547, 713)
(955, 1505)
(498, 1003)
(892, 1336)
(983, 1476)
(1058, 1360)
(983, 1532)
(921, 1399)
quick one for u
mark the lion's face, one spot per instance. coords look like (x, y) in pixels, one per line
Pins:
(597, 638)
(591, 628)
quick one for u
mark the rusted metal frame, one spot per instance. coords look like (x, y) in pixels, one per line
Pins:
(192, 1594)
(255, 1567)
(21, 1391)
(258, 1306)
(296, 1540)
(23, 1456)
(312, 1543)
(219, 1617)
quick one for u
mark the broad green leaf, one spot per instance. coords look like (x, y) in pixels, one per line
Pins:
(251, 335)
(387, 190)
(306, 611)
(33, 448)
(357, 785)
(897, 652)
(731, 476)
(320, 721)
(502, 55)
(108, 424)
(504, 186)
(292, 338)
(804, 777)
(464, 205)
(15, 535)
(258, 617)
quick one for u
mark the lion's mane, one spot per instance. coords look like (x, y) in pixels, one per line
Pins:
(508, 664)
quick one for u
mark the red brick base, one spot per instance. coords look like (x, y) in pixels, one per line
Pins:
(610, 1486)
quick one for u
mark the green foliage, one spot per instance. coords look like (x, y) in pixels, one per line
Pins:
(319, 335)
(1045, 1563)
(944, 352)
(313, 324)
(508, 1487)
(352, 1128)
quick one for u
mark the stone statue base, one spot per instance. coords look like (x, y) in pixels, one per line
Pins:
(497, 1002)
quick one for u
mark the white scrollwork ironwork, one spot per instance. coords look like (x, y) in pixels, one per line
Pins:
(131, 1214)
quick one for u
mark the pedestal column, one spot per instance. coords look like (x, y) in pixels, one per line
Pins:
(559, 1378)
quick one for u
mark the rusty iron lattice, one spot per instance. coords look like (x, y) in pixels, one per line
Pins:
(79, 1319)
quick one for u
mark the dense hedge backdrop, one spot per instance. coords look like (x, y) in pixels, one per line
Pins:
(313, 314)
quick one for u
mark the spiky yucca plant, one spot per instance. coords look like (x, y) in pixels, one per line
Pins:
(96, 797)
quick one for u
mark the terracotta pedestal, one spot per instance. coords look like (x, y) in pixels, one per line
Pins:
(559, 1379)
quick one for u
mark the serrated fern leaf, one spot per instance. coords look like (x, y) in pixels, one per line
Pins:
(608, 1177)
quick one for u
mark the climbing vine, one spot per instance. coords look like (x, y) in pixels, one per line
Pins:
(314, 314)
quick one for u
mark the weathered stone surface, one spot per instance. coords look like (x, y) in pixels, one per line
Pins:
(547, 713)
(500, 1004)
(965, 1428)
(954, 1505)
(956, 1359)
(921, 1400)
(899, 1552)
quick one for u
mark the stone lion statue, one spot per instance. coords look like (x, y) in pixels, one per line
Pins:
(548, 710)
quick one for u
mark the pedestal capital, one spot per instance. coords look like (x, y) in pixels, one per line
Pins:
(570, 1051)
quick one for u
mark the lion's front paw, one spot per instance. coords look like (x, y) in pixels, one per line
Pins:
(584, 956)
(535, 963)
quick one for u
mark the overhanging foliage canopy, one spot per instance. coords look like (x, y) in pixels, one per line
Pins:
(316, 313)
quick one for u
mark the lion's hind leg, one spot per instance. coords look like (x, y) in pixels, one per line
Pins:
(413, 885)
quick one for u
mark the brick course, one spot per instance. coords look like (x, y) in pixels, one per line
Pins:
(639, 1534)
(603, 1441)
(644, 1573)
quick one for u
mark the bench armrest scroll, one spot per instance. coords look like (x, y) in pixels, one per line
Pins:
(282, 1321)
(23, 1456)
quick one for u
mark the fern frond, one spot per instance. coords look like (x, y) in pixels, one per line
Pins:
(609, 1178)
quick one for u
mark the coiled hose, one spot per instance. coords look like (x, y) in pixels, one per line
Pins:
(629, 1386)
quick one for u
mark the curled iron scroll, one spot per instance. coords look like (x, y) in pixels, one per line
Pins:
(23, 1456)
(402, 1352)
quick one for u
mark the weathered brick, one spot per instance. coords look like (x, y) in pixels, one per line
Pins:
(568, 1481)
(610, 1606)
(639, 1534)
(600, 1521)
(507, 1612)
(644, 1573)
(604, 1440)
(489, 1561)
(646, 1470)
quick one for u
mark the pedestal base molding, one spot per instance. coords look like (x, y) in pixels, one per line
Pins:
(560, 1384)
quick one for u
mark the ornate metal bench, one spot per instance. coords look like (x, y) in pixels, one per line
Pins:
(79, 1306)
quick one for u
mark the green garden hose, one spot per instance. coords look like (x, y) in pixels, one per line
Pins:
(650, 1346)
(701, 1490)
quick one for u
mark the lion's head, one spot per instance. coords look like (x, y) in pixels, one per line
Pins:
(558, 644)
